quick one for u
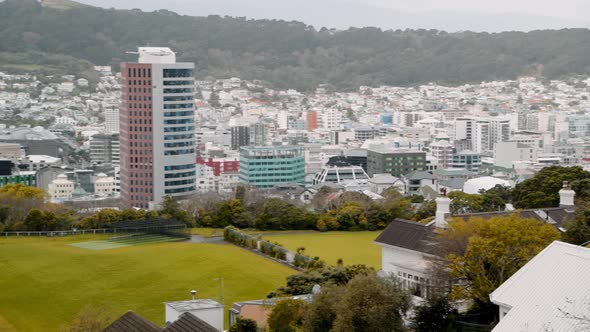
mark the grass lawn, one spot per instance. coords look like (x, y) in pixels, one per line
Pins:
(45, 282)
(207, 232)
(352, 247)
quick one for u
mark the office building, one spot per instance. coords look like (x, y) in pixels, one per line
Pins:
(396, 162)
(157, 129)
(240, 136)
(104, 148)
(258, 134)
(468, 160)
(266, 166)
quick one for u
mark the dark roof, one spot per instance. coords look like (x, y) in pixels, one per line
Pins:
(131, 322)
(409, 235)
(553, 216)
(190, 323)
(525, 214)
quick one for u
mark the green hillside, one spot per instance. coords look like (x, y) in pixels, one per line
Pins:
(292, 54)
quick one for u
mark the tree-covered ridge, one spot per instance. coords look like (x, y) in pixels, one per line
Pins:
(292, 54)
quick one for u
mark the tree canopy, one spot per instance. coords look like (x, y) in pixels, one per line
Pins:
(542, 190)
(495, 249)
(286, 54)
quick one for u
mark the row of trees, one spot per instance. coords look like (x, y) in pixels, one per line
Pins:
(350, 211)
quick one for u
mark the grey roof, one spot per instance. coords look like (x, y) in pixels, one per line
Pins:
(454, 172)
(194, 305)
(409, 235)
(190, 323)
(420, 175)
(454, 183)
(131, 322)
(383, 179)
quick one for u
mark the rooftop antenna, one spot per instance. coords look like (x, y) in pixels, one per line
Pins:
(194, 294)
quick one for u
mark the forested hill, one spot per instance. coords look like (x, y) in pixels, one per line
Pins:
(290, 54)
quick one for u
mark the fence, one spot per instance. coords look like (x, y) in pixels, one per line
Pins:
(149, 229)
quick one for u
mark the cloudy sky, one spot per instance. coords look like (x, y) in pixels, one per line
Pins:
(450, 15)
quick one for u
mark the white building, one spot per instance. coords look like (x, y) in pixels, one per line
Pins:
(111, 119)
(104, 185)
(548, 293)
(507, 153)
(61, 188)
(207, 310)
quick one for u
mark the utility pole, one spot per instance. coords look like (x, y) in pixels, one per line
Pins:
(221, 287)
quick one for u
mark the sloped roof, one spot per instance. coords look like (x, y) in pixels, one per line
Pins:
(190, 323)
(544, 291)
(408, 235)
(131, 322)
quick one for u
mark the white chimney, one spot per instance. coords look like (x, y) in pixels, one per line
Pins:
(566, 196)
(443, 209)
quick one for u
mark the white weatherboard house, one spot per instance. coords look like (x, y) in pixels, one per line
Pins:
(406, 245)
(205, 309)
(550, 293)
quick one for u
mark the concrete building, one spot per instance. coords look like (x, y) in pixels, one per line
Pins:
(61, 188)
(442, 150)
(111, 119)
(240, 136)
(468, 160)
(11, 151)
(396, 162)
(506, 153)
(157, 128)
(258, 134)
(267, 166)
(105, 148)
(104, 185)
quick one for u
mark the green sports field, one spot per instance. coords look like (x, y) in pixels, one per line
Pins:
(45, 282)
(352, 247)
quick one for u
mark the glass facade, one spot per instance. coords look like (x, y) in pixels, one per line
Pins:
(265, 167)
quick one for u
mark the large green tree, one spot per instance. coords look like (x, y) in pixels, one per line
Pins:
(542, 190)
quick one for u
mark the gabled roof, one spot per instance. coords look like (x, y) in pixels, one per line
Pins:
(190, 323)
(545, 290)
(419, 175)
(131, 322)
(408, 235)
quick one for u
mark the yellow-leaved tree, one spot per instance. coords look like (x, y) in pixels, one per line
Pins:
(487, 252)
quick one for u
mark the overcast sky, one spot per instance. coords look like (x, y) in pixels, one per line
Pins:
(450, 15)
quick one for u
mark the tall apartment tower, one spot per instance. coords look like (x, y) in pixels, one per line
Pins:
(157, 129)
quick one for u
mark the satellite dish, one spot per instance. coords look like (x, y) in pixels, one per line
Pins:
(316, 289)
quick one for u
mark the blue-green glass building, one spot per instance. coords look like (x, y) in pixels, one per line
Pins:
(266, 166)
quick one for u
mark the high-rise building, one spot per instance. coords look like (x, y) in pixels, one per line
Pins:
(267, 166)
(104, 148)
(157, 128)
(312, 120)
(258, 134)
(442, 150)
(111, 119)
(240, 136)
(483, 133)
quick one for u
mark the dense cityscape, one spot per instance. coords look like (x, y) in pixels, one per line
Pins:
(244, 206)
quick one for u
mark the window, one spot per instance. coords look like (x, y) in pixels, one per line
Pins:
(188, 82)
(178, 73)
